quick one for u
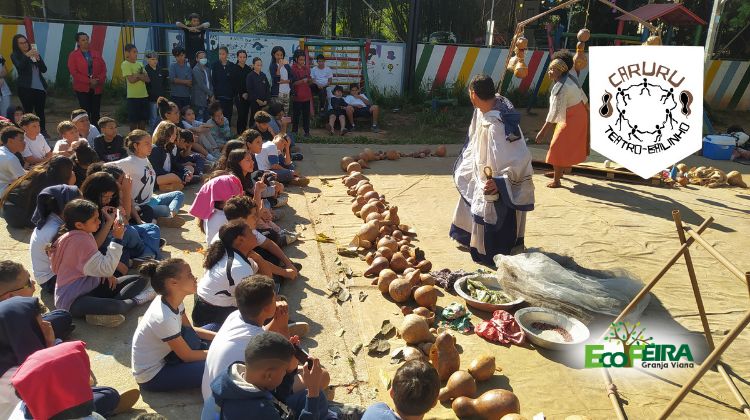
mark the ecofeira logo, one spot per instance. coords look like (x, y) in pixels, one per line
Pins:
(646, 105)
(629, 347)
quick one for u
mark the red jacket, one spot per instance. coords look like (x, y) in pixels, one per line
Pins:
(302, 92)
(79, 69)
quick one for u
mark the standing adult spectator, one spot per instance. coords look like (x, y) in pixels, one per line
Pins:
(222, 73)
(32, 88)
(4, 89)
(137, 78)
(302, 93)
(89, 72)
(157, 86)
(258, 90)
(322, 76)
(280, 73)
(180, 78)
(202, 86)
(194, 36)
(239, 86)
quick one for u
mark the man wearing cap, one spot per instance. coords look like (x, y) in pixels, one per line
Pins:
(89, 72)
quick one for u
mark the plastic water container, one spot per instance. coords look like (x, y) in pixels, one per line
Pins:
(719, 146)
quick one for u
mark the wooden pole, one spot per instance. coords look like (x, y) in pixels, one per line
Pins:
(614, 398)
(711, 250)
(707, 364)
(732, 387)
(693, 279)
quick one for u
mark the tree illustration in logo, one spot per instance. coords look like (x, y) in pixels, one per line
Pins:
(627, 335)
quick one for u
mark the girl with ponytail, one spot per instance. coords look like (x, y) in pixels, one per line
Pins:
(168, 354)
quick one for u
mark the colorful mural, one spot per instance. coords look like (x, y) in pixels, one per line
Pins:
(726, 85)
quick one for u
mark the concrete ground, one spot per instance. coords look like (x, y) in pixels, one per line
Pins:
(601, 224)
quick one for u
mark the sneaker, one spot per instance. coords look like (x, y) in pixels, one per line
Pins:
(297, 156)
(127, 401)
(375, 129)
(297, 265)
(109, 321)
(300, 181)
(170, 222)
(344, 131)
(344, 411)
(162, 243)
(288, 238)
(139, 261)
(300, 329)
(281, 201)
(147, 295)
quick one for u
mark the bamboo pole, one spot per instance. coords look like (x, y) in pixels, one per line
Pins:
(707, 364)
(693, 280)
(614, 397)
(732, 387)
(711, 250)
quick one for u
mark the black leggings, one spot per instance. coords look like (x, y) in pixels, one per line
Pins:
(243, 109)
(301, 108)
(33, 100)
(205, 313)
(106, 301)
(91, 102)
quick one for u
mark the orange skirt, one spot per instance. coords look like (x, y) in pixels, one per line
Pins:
(570, 142)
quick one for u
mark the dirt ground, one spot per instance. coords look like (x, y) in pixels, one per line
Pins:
(601, 224)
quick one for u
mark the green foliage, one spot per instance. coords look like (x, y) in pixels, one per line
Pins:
(739, 10)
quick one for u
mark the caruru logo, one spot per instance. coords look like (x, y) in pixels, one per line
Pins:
(646, 105)
(637, 350)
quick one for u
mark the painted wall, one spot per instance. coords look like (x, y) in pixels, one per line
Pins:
(55, 41)
(726, 86)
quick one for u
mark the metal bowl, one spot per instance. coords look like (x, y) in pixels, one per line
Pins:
(491, 282)
(551, 340)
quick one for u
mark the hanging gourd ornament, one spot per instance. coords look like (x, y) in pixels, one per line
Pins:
(584, 35)
(512, 63)
(653, 40)
(579, 59)
(520, 70)
(522, 43)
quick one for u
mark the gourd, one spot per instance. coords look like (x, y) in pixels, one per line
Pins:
(426, 296)
(398, 262)
(413, 353)
(353, 167)
(357, 204)
(460, 384)
(482, 368)
(427, 279)
(424, 266)
(584, 35)
(364, 189)
(378, 264)
(441, 151)
(385, 278)
(400, 289)
(391, 218)
(371, 206)
(425, 313)
(388, 242)
(444, 356)
(371, 195)
(363, 164)
(374, 216)
(385, 252)
(414, 330)
(734, 178)
(368, 231)
(392, 155)
(370, 154)
(345, 161)
(491, 405)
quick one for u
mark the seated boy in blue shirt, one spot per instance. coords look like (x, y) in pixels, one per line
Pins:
(414, 391)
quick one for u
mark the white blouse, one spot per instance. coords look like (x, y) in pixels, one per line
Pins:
(570, 95)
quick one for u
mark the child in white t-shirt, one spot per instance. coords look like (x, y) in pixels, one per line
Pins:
(322, 76)
(69, 133)
(168, 354)
(37, 150)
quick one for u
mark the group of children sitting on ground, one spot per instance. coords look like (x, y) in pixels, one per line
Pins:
(92, 215)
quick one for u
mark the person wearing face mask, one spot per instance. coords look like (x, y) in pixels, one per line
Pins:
(239, 89)
(222, 73)
(202, 85)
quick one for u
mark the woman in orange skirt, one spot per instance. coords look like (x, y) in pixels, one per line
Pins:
(568, 113)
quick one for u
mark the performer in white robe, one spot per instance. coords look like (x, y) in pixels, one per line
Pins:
(490, 216)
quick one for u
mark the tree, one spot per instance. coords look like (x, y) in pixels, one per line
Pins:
(627, 335)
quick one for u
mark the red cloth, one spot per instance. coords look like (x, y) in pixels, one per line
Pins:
(79, 69)
(502, 328)
(302, 92)
(54, 379)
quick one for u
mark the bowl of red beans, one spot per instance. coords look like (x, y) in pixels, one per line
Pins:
(551, 329)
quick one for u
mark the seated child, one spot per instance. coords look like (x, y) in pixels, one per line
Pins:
(262, 124)
(47, 219)
(37, 150)
(279, 119)
(202, 131)
(218, 124)
(16, 281)
(338, 110)
(170, 174)
(11, 168)
(110, 146)
(85, 129)
(360, 106)
(209, 203)
(262, 385)
(86, 285)
(69, 133)
(168, 353)
(276, 156)
(187, 158)
(414, 391)
(54, 384)
(83, 157)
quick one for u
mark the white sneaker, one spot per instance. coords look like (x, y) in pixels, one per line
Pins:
(147, 295)
(300, 329)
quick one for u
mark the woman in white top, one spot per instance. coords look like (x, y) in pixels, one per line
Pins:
(168, 353)
(228, 261)
(47, 218)
(568, 113)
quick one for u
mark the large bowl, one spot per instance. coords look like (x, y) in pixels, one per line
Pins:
(577, 330)
(488, 280)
